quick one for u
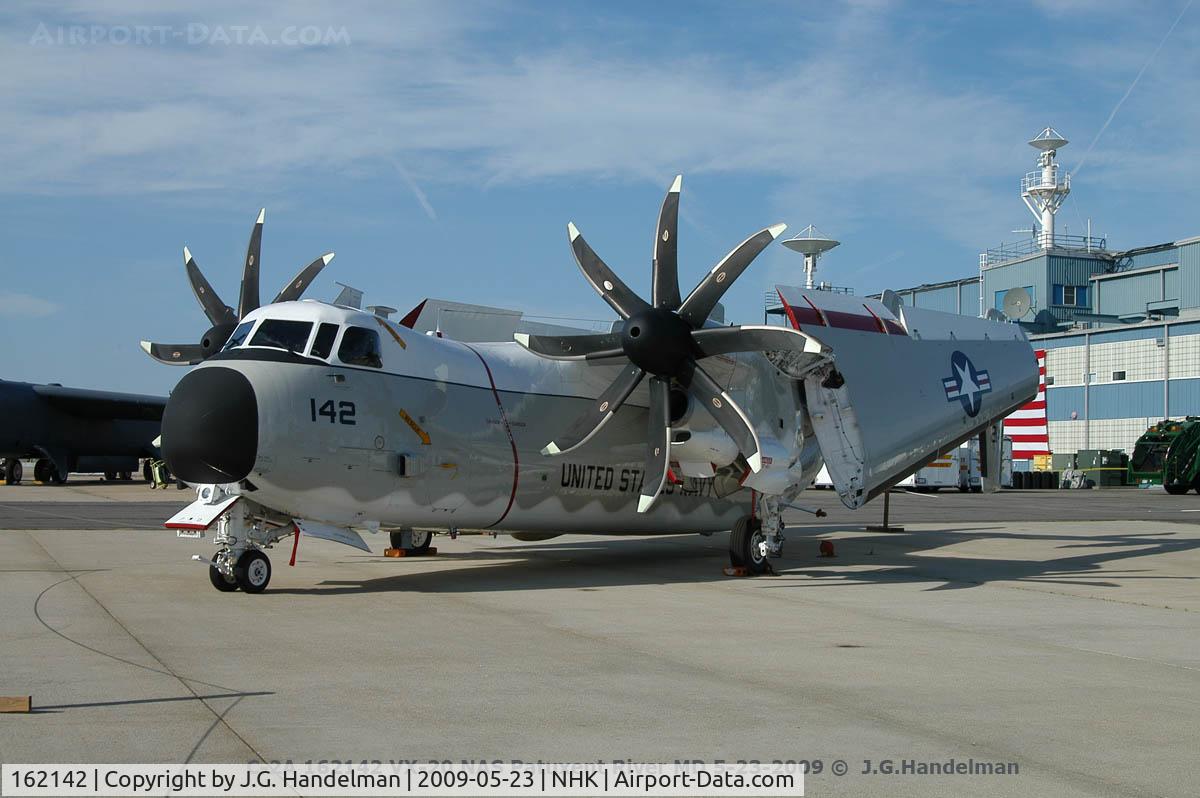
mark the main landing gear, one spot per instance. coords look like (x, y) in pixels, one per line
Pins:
(413, 542)
(756, 538)
(13, 471)
(45, 471)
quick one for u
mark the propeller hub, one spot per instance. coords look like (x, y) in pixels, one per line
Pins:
(659, 341)
(215, 338)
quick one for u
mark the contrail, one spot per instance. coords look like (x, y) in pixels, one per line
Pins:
(1125, 96)
(416, 190)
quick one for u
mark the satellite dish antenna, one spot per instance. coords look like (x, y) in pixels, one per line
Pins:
(1048, 139)
(1017, 303)
(812, 244)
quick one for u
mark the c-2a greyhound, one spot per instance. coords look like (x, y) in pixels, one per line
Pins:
(327, 420)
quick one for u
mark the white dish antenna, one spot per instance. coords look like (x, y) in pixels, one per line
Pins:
(1017, 303)
(812, 244)
(1048, 139)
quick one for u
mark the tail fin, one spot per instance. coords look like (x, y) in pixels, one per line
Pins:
(903, 386)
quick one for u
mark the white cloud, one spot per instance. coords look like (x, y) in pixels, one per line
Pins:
(13, 304)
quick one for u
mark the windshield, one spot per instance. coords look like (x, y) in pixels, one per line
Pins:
(323, 344)
(239, 335)
(1148, 457)
(279, 334)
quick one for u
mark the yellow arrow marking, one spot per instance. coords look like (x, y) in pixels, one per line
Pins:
(422, 434)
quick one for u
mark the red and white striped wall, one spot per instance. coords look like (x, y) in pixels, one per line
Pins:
(1027, 425)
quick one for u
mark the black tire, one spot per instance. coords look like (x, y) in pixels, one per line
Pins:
(13, 471)
(747, 546)
(253, 571)
(421, 539)
(126, 476)
(218, 579)
(110, 476)
(1177, 490)
(41, 470)
(147, 475)
(57, 478)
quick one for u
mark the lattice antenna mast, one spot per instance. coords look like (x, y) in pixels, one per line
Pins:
(1044, 189)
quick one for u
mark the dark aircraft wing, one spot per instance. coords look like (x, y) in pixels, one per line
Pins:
(102, 404)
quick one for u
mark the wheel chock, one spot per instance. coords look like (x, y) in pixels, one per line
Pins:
(826, 548)
(16, 703)
(429, 552)
(735, 570)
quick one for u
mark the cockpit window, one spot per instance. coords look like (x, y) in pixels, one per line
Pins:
(323, 343)
(279, 334)
(360, 347)
(239, 335)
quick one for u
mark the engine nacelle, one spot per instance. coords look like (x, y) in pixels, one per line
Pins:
(699, 451)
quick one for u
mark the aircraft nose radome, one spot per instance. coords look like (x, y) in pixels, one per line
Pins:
(210, 426)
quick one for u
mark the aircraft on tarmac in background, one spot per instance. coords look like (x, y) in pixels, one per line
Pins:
(331, 421)
(75, 429)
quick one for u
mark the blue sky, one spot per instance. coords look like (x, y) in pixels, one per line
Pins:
(441, 148)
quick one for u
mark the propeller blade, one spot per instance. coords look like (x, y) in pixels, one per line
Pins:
(751, 338)
(607, 284)
(174, 354)
(216, 310)
(599, 413)
(658, 443)
(572, 347)
(721, 407)
(665, 289)
(301, 281)
(249, 296)
(704, 297)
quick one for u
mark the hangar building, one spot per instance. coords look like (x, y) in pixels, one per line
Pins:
(1121, 328)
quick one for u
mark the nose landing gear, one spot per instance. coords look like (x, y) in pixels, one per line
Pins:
(241, 563)
(756, 538)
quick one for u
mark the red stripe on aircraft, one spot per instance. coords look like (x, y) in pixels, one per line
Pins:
(851, 321)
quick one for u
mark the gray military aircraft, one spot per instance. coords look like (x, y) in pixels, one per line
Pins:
(72, 429)
(330, 421)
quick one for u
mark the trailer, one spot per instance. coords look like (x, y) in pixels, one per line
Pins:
(1166, 455)
(941, 473)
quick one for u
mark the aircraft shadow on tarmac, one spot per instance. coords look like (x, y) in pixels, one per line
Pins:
(864, 559)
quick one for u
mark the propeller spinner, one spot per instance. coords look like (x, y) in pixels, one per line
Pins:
(666, 339)
(222, 317)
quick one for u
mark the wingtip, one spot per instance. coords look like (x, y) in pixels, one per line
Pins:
(328, 256)
(261, 214)
(676, 186)
(145, 346)
(645, 503)
(551, 449)
(522, 339)
(572, 231)
(187, 254)
(777, 230)
(755, 461)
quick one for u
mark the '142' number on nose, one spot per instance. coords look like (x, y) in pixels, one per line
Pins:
(342, 413)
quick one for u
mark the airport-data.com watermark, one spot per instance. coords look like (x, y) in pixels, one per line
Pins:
(196, 34)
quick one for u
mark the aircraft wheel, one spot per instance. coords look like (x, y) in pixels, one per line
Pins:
(1177, 490)
(41, 470)
(110, 476)
(219, 580)
(421, 540)
(55, 477)
(13, 471)
(125, 476)
(748, 545)
(147, 475)
(253, 571)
